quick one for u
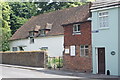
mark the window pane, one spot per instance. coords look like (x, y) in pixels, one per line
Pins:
(21, 48)
(75, 28)
(31, 40)
(100, 14)
(14, 48)
(82, 46)
(103, 19)
(86, 46)
(86, 52)
(82, 52)
(78, 27)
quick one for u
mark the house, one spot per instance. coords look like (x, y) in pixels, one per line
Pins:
(77, 42)
(106, 37)
(44, 32)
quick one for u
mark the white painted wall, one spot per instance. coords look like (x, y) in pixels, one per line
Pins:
(54, 44)
(107, 38)
(119, 40)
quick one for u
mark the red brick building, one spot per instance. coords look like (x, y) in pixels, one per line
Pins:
(77, 44)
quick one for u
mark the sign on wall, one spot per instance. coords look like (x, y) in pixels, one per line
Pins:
(72, 50)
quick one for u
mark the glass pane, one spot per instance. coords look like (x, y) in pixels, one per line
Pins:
(86, 46)
(78, 27)
(104, 24)
(100, 14)
(82, 46)
(14, 48)
(86, 52)
(75, 28)
(106, 13)
(82, 52)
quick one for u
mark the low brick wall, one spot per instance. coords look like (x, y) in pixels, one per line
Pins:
(24, 58)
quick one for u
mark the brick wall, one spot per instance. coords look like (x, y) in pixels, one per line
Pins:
(34, 58)
(77, 62)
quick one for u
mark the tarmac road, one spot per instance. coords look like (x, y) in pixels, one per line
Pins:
(14, 72)
(11, 72)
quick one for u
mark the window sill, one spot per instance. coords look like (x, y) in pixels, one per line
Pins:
(77, 33)
(104, 28)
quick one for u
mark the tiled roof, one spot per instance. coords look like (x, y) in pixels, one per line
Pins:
(56, 19)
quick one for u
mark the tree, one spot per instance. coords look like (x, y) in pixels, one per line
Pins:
(44, 7)
(6, 32)
(20, 13)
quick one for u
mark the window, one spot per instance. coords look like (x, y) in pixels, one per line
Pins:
(76, 29)
(31, 34)
(31, 40)
(42, 32)
(21, 48)
(103, 19)
(84, 50)
(72, 50)
(14, 49)
(44, 48)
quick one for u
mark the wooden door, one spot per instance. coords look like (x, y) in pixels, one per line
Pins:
(101, 60)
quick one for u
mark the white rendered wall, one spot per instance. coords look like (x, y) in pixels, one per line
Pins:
(54, 44)
(107, 38)
(119, 40)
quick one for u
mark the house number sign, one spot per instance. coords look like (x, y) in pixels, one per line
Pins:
(113, 53)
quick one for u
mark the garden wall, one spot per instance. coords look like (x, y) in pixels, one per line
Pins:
(25, 58)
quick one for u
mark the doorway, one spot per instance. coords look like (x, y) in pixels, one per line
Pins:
(101, 60)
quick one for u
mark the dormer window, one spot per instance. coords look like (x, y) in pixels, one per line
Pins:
(31, 34)
(42, 32)
(76, 29)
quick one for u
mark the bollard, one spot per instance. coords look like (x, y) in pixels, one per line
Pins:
(108, 72)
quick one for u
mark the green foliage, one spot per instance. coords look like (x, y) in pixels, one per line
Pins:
(20, 13)
(6, 32)
(57, 62)
(48, 7)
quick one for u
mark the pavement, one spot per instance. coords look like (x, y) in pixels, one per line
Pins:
(64, 73)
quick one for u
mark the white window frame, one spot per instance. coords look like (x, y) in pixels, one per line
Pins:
(72, 50)
(84, 48)
(104, 22)
(76, 31)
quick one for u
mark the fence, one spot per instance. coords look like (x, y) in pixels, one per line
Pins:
(55, 62)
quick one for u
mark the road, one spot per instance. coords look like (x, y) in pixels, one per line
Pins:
(11, 72)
